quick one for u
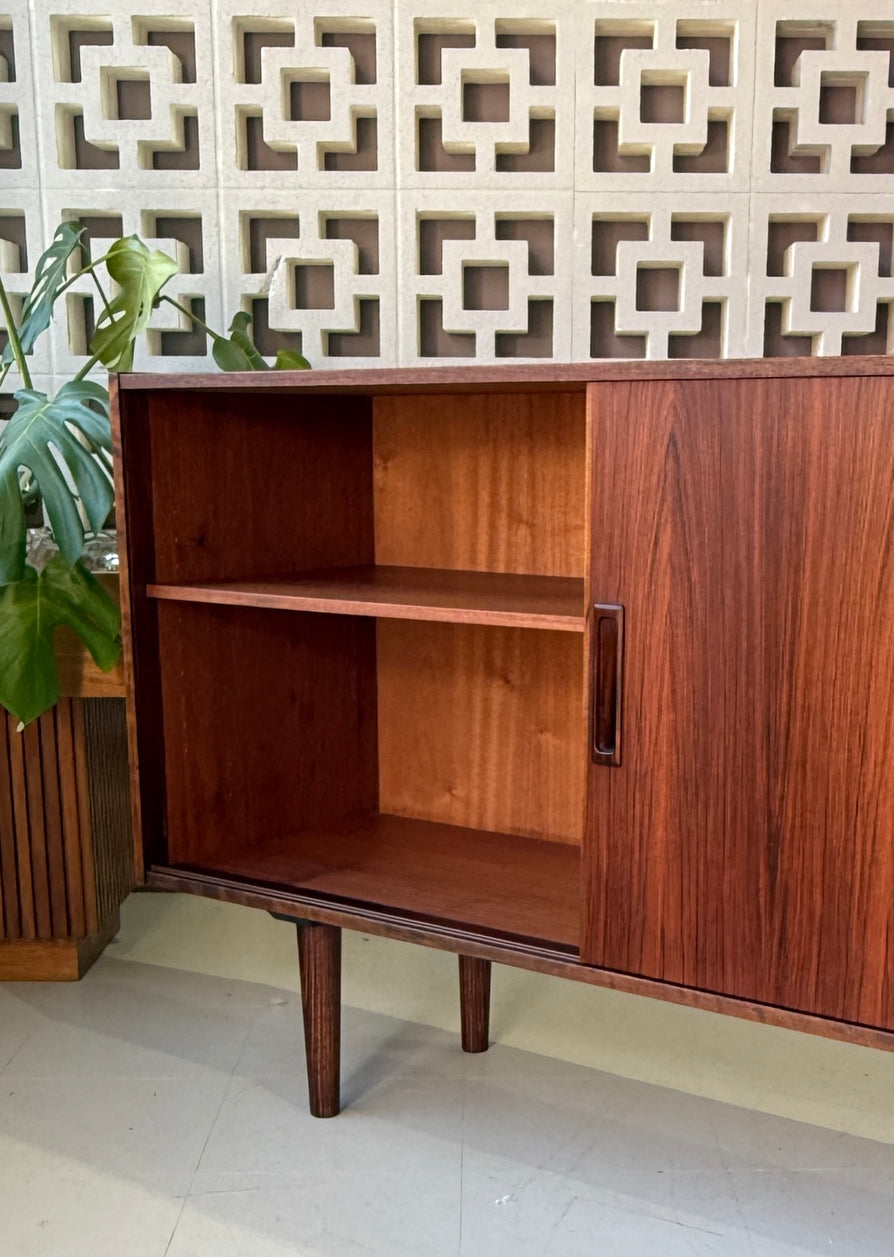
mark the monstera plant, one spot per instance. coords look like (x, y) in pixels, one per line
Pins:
(59, 448)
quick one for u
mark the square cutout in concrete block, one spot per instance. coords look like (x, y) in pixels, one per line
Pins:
(657, 288)
(485, 102)
(829, 288)
(485, 287)
(662, 102)
(314, 286)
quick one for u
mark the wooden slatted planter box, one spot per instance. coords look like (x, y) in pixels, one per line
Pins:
(65, 845)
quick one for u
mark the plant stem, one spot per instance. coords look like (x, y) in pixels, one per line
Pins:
(194, 318)
(89, 269)
(99, 289)
(86, 368)
(15, 343)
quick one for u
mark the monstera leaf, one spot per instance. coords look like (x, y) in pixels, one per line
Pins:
(140, 274)
(31, 609)
(68, 429)
(49, 277)
(239, 352)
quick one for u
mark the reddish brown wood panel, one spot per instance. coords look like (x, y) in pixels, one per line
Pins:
(269, 724)
(554, 377)
(470, 878)
(257, 487)
(746, 844)
(406, 593)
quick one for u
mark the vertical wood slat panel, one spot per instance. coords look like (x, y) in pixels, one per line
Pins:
(9, 893)
(105, 725)
(74, 873)
(64, 823)
(84, 826)
(37, 842)
(53, 828)
(19, 795)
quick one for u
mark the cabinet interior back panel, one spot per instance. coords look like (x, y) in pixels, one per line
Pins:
(269, 725)
(493, 483)
(748, 529)
(248, 485)
(482, 727)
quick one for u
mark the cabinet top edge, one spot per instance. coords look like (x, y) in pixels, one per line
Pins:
(568, 377)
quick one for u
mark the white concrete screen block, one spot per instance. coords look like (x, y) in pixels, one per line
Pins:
(822, 275)
(486, 278)
(172, 342)
(125, 101)
(416, 181)
(21, 244)
(18, 140)
(664, 96)
(485, 95)
(305, 95)
(658, 277)
(824, 104)
(317, 273)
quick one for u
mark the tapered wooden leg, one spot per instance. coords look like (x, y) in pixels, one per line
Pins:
(474, 1002)
(319, 956)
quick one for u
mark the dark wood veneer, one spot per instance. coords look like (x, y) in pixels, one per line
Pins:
(755, 558)
(319, 953)
(474, 1002)
(556, 377)
(306, 738)
(498, 883)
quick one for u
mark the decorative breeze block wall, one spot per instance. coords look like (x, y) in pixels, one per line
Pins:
(411, 183)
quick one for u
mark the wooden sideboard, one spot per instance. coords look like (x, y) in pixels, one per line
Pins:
(588, 669)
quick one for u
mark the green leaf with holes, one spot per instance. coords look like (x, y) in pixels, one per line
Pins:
(31, 609)
(140, 274)
(66, 436)
(49, 276)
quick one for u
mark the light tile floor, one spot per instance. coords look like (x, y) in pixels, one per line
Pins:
(158, 1109)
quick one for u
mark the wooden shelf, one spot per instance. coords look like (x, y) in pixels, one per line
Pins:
(405, 593)
(496, 883)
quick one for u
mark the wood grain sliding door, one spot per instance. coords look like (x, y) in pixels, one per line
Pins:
(745, 844)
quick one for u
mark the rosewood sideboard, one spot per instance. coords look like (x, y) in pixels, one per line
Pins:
(587, 669)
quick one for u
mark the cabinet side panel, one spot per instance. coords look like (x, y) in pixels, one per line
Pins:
(480, 726)
(139, 624)
(269, 724)
(486, 482)
(746, 844)
(257, 485)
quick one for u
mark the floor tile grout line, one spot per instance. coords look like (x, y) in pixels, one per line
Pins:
(29, 1034)
(462, 1157)
(226, 1091)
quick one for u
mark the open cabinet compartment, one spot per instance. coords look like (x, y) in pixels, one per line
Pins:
(422, 749)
